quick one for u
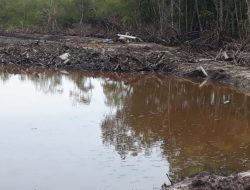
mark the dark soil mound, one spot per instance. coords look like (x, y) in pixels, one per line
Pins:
(205, 181)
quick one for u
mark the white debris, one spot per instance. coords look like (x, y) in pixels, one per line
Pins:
(66, 61)
(203, 71)
(64, 56)
(244, 174)
(128, 37)
(107, 41)
(123, 37)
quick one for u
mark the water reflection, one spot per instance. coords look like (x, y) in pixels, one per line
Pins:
(194, 129)
(53, 83)
(47, 83)
(4, 76)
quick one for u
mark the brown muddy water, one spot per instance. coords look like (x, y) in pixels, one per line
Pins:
(83, 132)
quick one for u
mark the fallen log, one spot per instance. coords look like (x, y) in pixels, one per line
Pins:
(128, 37)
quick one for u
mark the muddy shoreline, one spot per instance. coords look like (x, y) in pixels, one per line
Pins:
(207, 181)
(93, 54)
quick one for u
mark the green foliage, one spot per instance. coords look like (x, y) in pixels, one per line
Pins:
(118, 10)
(183, 15)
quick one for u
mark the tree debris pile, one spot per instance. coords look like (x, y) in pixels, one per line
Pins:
(206, 181)
(90, 54)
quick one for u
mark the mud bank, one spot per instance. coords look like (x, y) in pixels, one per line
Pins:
(90, 54)
(206, 181)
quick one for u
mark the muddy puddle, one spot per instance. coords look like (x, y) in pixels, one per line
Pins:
(84, 131)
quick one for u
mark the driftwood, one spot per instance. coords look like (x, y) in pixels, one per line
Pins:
(203, 71)
(223, 56)
(128, 37)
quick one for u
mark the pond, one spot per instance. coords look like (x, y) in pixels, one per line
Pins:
(117, 132)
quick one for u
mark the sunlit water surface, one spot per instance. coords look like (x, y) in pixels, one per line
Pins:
(116, 132)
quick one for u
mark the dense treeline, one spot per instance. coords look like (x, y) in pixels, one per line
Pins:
(162, 17)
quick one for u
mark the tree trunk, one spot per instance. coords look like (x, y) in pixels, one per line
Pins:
(172, 13)
(237, 18)
(52, 13)
(179, 14)
(221, 16)
(248, 10)
(198, 15)
(81, 19)
(186, 15)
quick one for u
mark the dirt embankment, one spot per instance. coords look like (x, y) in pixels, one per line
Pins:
(91, 54)
(206, 181)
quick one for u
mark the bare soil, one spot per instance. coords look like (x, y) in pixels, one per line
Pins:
(93, 54)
